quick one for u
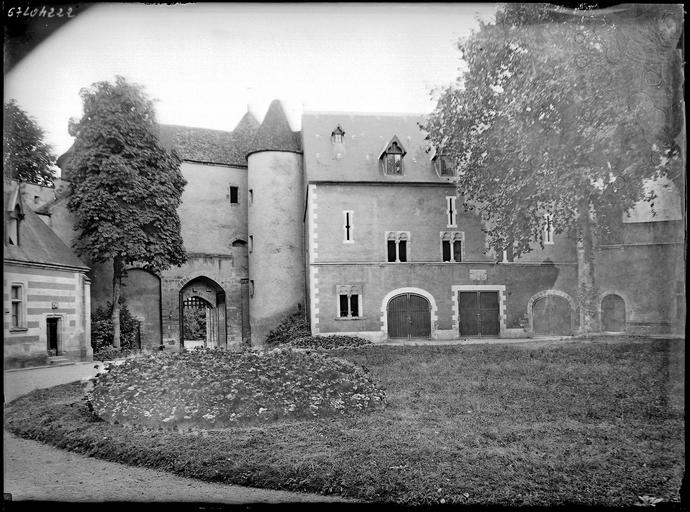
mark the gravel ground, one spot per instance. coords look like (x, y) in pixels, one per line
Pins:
(35, 471)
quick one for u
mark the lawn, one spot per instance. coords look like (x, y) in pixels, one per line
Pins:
(589, 422)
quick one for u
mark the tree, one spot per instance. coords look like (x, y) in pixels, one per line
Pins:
(125, 187)
(25, 155)
(556, 115)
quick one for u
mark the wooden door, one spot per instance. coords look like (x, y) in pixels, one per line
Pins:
(409, 317)
(479, 313)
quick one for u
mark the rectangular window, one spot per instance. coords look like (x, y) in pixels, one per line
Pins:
(394, 163)
(446, 250)
(349, 300)
(234, 195)
(402, 250)
(17, 298)
(392, 250)
(347, 226)
(251, 288)
(344, 306)
(251, 243)
(251, 196)
(548, 229)
(457, 250)
(451, 211)
(452, 246)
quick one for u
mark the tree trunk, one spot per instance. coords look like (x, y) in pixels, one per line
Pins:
(117, 281)
(587, 294)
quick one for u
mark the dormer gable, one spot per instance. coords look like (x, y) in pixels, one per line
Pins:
(391, 158)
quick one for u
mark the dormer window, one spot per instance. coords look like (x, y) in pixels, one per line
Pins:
(337, 135)
(15, 218)
(443, 165)
(392, 157)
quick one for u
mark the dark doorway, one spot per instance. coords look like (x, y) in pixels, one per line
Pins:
(551, 315)
(409, 317)
(613, 314)
(52, 326)
(479, 313)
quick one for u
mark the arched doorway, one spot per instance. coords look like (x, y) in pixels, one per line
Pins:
(409, 316)
(552, 315)
(202, 314)
(613, 313)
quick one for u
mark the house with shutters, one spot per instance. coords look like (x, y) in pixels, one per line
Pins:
(45, 287)
(358, 224)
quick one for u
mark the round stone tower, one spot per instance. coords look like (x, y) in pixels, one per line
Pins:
(275, 224)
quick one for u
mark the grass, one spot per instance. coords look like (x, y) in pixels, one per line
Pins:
(591, 423)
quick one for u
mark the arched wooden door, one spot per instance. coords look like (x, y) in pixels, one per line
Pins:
(613, 313)
(551, 315)
(409, 316)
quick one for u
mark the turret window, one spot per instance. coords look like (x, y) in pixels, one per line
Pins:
(234, 195)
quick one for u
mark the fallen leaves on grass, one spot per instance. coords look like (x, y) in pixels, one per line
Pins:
(208, 388)
(327, 342)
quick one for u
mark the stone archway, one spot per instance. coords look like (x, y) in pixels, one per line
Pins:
(433, 318)
(203, 294)
(613, 314)
(552, 312)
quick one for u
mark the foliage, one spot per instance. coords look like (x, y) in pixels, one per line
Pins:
(539, 424)
(551, 113)
(25, 155)
(554, 116)
(328, 342)
(194, 323)
(291, 327)
(125, 187)
(102, 328)
(207, 388)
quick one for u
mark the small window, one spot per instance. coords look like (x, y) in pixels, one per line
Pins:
(392, 158)
(451, 211)
(13, 226)
(251, 196)
(251, 288)
(548, 229)
(17, 299)
(452, 246)
(251, 243)
(443, 165)
(347, 226)
(396, 246)
(337, 135)
(349, 301)
(234, 195)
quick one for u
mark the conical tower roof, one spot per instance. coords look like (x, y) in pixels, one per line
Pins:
(275, 134)
(244, 133)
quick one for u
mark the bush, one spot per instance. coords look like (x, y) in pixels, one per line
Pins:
(194, 323)
(102, 328)
(293, 326)
(211, 388)
(328, 342)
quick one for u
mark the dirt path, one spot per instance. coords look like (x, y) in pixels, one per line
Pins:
(35, 471)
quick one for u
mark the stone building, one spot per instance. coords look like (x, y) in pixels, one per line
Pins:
(352, 221)
(46, 291)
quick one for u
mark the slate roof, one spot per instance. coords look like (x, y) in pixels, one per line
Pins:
(201, 144)
(275, 133)
(37, 242)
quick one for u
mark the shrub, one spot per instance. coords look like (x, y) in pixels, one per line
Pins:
(211, 388)
(293, 326)
(194, 323)
(102, 327)
(328, 342)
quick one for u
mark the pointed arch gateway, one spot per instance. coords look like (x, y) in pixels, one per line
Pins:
(202, 314)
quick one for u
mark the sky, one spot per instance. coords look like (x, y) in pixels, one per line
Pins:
(206, 64)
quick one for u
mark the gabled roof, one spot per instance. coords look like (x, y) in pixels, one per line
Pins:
(37, 242)
(275, 133)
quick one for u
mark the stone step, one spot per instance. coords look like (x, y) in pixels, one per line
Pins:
(59, 360)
